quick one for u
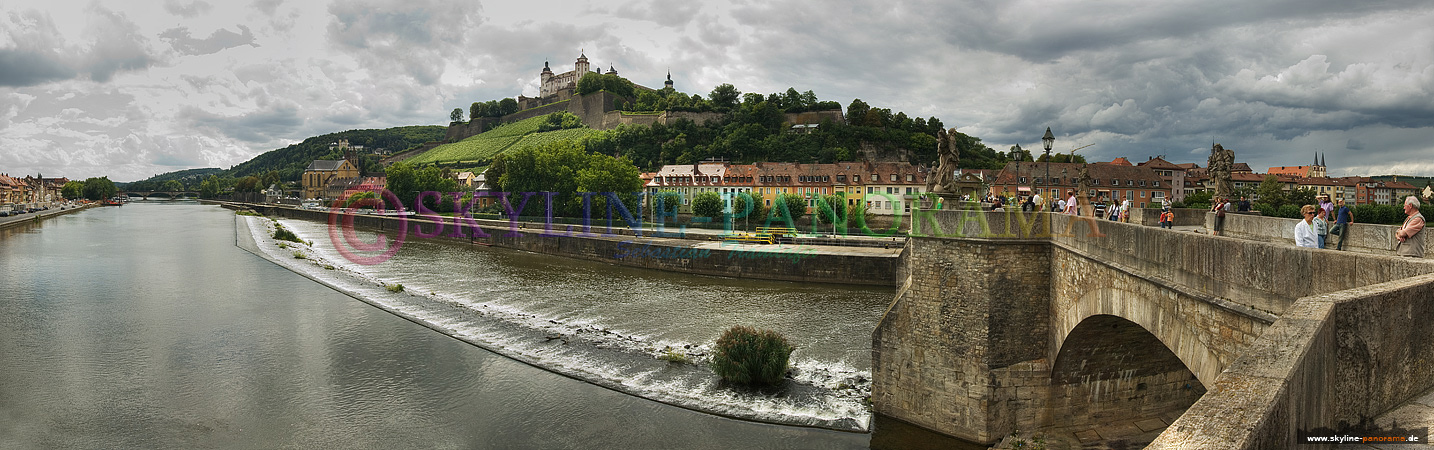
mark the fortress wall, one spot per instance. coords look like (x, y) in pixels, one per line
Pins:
(835, 115)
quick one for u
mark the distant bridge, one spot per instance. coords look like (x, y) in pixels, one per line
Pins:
(171, 195)
(1009, 321)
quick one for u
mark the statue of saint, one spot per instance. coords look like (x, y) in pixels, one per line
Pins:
(1221, 163)
(943, 177)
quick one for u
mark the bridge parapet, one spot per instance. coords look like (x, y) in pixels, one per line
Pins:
(1363, 238)
(1332, 358)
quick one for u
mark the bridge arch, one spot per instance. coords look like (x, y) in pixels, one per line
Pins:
(1110, 369)
(1152, 315)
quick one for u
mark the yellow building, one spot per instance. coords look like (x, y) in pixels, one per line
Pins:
(317, 176)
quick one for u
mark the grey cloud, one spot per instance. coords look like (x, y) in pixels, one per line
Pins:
(267, 6)
(221, 39)
(40, 54)
(416, 38)
(668, 14)
(118, 45)
(264, 126)
(187, 10)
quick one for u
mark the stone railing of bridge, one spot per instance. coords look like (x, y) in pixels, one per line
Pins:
(1363, 238)
(970, 344)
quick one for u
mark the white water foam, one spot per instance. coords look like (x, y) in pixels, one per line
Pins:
(824, 394)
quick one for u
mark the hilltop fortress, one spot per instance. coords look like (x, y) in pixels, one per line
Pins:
(563, 86)
(558, 92)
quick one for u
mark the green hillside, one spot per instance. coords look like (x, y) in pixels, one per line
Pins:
(288, 163)
(481, 148)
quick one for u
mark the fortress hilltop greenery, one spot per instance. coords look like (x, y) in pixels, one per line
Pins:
(607, 114)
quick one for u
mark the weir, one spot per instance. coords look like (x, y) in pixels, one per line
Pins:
(1011, 321)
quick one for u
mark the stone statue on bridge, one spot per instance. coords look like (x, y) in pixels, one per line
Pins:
(1083, 184)
(942, 180)
(1221, 162)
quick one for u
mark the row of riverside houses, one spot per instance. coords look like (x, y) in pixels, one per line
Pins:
(17, 192)
(887, 188)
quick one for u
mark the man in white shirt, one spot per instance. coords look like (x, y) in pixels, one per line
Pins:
(1039, 202)
(1071, 206)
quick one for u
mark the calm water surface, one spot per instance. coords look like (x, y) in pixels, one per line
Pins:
(144, 326)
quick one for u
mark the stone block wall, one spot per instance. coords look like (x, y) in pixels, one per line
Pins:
(1150, 217)
(1331, 358)
(962, 347)
(1363, 238)
(1110, 369)
(676, 255)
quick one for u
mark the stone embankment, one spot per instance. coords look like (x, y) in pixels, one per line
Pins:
(703, 254)
(32, 218)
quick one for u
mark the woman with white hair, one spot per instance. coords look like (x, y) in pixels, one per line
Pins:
(1411, 234)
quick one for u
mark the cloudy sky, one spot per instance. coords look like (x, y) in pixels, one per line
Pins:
(132, 89)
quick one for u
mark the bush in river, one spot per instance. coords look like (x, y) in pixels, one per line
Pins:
(746, 355)
(284, 234)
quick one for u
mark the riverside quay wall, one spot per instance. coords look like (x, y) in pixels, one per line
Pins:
(623, 246)
(1007, 321)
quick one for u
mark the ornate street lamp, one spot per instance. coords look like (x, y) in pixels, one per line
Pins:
(1048, 140)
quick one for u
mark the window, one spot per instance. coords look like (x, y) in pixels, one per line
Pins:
(1114, 182)
(1023, 180)
(1142, 194)
(910, 177)
(873, 177)
(841, 178)
(714, 179)
(892, 190)
(893, 177)
(1130, 182)
(1142, 183)
(870, 190)
(1156, 183)
(1039, 180)
(908, 191)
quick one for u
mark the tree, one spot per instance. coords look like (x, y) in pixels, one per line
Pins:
(171, 186)
(209, 188)
(795, 207)
(507, 106)
(707, 204)
(247, 184)
(456, 115)
(476, 110)
(724, 97)
(99, 188)
(73, 190)
(1271, 192)
(856, 112)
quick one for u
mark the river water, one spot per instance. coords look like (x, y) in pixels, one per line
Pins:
(147, 326)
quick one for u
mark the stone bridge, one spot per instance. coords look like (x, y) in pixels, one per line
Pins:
(170, 194)
(1009, 321)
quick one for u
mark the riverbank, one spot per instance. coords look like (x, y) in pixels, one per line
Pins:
(694, 253)
(36, 217)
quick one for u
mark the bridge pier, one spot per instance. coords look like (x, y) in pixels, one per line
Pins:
(962, 350)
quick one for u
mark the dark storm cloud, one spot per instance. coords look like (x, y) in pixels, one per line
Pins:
(258, 127)
(187, 10)
(221, 39)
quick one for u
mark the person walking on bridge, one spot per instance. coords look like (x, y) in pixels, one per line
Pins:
(1342, 220)
(1411, 234)
(1304, 229)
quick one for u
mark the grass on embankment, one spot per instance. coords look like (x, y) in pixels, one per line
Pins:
(484, 146)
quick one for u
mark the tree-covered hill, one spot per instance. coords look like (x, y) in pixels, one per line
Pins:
(287, 164)
(290, 161)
